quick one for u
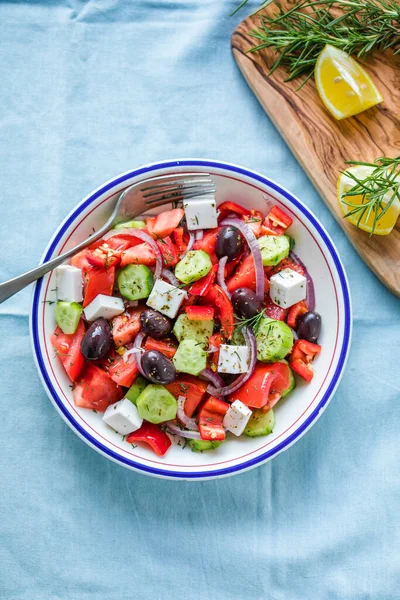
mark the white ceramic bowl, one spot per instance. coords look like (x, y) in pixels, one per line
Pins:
(294, 415)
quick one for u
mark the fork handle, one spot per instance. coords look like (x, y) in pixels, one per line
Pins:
(12, 286)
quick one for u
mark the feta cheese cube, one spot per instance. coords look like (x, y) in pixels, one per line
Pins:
(233, 359)
(166, 298)
(69, 283)
(104, 306)
(201, 213)
(287, 288)
(123, 416)
(236, 418)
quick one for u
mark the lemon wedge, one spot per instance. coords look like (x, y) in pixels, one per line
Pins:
(384, 225)
(343, 85)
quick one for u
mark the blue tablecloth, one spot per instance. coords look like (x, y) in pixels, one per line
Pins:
(91, 89)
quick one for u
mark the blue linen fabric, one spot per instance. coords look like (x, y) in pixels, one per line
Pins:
(91, 89)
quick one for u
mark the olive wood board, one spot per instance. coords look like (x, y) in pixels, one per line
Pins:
(322, 144)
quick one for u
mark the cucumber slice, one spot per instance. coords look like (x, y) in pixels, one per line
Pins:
(194, 266)
(67, 315)
(136, 389)
(190, 357)
(200, 445)
(135, 282)
(156, 405)
(273, 248)
(197, 330)
(292, 381)
(274, 340)
(260, 423)
(127, 224)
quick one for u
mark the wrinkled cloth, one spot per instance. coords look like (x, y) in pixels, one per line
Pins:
(89, 90)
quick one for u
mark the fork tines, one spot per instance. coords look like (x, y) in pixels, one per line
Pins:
(179, 190)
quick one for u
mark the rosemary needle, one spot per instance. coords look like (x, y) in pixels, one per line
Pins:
(299, 34)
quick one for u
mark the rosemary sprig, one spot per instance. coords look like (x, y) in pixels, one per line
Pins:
(299, 34)
(252, 322)
(384, 178)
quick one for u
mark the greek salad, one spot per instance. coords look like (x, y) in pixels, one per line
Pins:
(193, 323)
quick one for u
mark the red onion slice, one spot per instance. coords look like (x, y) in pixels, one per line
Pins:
(176, 430)
(215, 379)
(239, 381)
(255, 251)
(126, 355)
(170, 277)
(141, 235)
(310, 283)
(221, 276)
(180, 413)
(190, 244)
(137, 344)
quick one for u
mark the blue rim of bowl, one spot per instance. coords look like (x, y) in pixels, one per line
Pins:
(287, 441)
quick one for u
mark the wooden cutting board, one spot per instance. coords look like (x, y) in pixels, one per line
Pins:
(321, 144)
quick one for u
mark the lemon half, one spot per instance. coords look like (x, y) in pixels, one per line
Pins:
(343, 85)
(385, 225)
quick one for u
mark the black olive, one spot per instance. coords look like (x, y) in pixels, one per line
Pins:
(155, 324)
(229, 242)
(245, 303)
(97, 340)
(309, 326)
(157, 367)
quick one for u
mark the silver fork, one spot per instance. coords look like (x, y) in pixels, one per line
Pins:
(131, 203)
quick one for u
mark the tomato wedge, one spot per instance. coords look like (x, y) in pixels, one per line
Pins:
(208, 244)
(168, 252)
(254, 221)
(167, 221)
(245, 276)
(210, 419)
(215, 341)
(217, 297)
(125, 327)
(273, 311)
(97, 281)
(123, 373)
(152, 435)
(286, 263)
(68, 349)
(142, 254)
(178, 239)
(192, 388)
(95, 389)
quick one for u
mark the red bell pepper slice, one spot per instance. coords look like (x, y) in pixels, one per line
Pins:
(166, 348)
(179, 240)
(295, 312)
(276, 222)
(265, 386)
(201, 286)
(303, 353)
(200, 313)
(217, 297)
(168, 251)
(150, 434)
(210, 420)
(231, 207)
